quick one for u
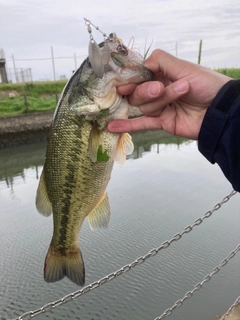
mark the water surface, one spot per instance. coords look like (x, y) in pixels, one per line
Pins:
(163, 187)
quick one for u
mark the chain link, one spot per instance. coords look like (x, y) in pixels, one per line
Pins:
(199, 285)
(88, 24)
(50, 306)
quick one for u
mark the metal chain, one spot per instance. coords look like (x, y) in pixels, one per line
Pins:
(88, 24)
(52, 305)
(234, 305)
(199, 285)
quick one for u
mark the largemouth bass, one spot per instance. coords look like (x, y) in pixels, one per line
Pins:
(80, 155)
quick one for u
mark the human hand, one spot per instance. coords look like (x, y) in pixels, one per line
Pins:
(175, 101)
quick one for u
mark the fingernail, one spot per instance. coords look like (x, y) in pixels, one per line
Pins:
(181, 87)
(154, 89)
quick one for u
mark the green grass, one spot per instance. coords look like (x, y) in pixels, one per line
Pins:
(230, 72)
(15, 106)
(35, 93)
(35, 89)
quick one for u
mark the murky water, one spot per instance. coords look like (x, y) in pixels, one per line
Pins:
(165, 186)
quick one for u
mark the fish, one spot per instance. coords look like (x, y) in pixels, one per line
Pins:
(81, 153)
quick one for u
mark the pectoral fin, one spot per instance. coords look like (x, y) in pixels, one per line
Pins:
(99, 217)
(43, 203)
(125, 147)
(95, 147)
(95, 140)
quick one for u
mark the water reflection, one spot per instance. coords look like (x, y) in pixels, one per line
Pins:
(143, 142)
(168, 186)
(14, 160)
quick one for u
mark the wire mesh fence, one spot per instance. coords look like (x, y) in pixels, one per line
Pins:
(19, 75)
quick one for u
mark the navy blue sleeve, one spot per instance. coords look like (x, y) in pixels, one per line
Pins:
(219, 137)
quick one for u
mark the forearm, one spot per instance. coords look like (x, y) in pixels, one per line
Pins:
(219, 137)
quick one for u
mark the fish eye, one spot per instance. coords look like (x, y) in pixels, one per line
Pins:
(117, 62)
(122, 49)
(112, 36)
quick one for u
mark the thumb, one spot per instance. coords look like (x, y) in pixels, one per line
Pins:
(169, 66)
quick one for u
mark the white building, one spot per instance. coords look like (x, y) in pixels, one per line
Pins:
(3, 72)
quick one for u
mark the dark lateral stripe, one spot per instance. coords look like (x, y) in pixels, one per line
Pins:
(67, 189)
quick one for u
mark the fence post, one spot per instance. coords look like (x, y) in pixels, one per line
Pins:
(53, 65)
(200, 52)
(56, 95)
(26, 103)
(15, 70)
(75, 61)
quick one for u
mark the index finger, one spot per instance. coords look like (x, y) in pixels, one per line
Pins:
(126, 89)
(136, 124)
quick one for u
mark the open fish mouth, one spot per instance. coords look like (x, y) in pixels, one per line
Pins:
(113, 55)
(138, 76)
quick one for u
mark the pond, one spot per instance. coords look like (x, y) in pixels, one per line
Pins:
(163, 187)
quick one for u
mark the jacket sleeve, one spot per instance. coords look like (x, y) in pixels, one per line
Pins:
(219, 137)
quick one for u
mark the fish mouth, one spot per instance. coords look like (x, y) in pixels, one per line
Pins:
(147, 74)
(127, 64)
(138, 75)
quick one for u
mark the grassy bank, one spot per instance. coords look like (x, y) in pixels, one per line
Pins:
(29, 97)
(41, 96)
(34, 89)
(15, 106)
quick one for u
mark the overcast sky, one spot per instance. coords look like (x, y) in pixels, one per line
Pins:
(30, 27)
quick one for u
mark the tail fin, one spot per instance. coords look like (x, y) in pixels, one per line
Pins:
(58, 265)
